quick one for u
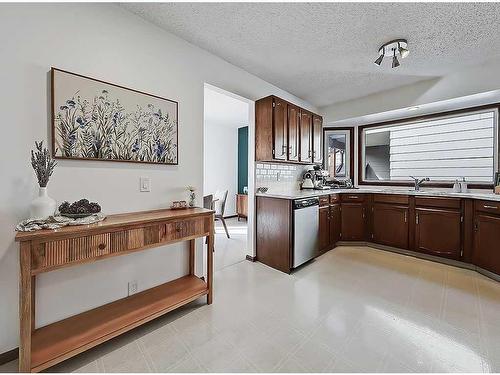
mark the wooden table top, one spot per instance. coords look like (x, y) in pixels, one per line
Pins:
(116, 221)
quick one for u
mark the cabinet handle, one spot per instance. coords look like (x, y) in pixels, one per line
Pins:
(406, 218)
(309, 153)
(364, 215)
(476, 226)
(492, 207)
(283, 149)
(353, 197)
(416, 219)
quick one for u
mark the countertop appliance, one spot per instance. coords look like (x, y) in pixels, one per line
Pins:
(307, 181)
(305, 230)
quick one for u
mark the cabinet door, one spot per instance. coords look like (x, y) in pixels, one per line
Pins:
(335, 224)
(280, 129)
(390, 225)
(293, 132)
(486, 242)
(353, 222)
(324, 228)
(317, 139)
(438, 232)
(305, 137)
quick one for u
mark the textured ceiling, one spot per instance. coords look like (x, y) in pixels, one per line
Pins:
(324, 52)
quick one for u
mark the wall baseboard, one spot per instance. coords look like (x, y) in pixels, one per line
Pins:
(9, 356)
(251, 258)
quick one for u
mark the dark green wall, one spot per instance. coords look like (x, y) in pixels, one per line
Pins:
(242, 158)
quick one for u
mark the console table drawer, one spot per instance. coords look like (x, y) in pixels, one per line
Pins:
(58, 253)
(173, 231)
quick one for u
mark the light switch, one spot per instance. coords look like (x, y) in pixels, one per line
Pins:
(145, 184)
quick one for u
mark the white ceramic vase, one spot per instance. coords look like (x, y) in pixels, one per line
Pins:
(43, 206)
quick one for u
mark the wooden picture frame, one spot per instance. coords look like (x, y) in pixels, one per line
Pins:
(97, 120)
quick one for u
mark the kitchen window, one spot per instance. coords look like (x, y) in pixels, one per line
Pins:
(441, 147)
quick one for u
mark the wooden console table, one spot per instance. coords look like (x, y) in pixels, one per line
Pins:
(48, 250)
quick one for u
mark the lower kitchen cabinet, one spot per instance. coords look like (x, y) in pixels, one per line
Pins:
(274, 232)
(486, 252)
(390, 225)
(438, 232)
(335, 224)
(353, 222)
(324, 228)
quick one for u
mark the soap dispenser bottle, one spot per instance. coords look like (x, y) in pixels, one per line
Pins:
(456, 187)
(463, 186)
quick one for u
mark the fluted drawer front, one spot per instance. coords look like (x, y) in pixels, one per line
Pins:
(46, 255)
(184, 228)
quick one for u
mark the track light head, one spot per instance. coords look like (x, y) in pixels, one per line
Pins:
(379, 60)
(402, 51)
(395, 61)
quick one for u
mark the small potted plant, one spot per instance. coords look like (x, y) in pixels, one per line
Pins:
(43, 165)
(192, 195)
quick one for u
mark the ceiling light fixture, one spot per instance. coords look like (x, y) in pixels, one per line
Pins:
(399, 46)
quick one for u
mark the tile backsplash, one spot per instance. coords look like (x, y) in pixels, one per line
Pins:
(279, 177)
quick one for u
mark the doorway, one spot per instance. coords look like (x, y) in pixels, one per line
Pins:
(226, 170)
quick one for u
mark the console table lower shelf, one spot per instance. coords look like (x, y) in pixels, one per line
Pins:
(46, 251)
(61, 340)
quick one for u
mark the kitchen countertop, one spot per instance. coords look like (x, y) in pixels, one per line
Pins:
(408, 191)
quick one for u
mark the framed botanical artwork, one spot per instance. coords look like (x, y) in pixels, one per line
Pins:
(97, 120)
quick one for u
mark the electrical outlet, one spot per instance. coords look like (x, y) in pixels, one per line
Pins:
(133, 287)
(145, 184)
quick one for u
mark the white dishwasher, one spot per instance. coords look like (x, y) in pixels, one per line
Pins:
(305, 230)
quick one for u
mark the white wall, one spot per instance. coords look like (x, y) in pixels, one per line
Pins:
(221, 163)
(106, 42)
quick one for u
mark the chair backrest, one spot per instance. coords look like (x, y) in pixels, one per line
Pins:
(221, 203)
(208, 201)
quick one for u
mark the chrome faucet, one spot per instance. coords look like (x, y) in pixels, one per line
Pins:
(419, 182)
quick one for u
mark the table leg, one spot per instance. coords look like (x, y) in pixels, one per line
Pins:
(210, 261)
(26, 307)
(192, 247)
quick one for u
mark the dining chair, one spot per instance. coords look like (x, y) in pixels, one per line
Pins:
(219, 210)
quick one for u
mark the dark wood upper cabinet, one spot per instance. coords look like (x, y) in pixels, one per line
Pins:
(306, 134)
(324, 228)
(353, 222)
(317, 139)
(390, 225)
(285, 132)
(280, 129)
(438, 232)
(486, 253)
(335, 224)
(293, 132)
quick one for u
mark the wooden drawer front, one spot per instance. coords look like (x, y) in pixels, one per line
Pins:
(184, 228)
(353, 197)
(334, 198)
(390, 198)
(437, 202)
(74, 250)
(488, 206)
(324, 200)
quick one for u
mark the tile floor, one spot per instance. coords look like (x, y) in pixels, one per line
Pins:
(355, 309)
(229, 251)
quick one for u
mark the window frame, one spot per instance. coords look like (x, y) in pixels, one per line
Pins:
(433, 116)
(350, 130)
